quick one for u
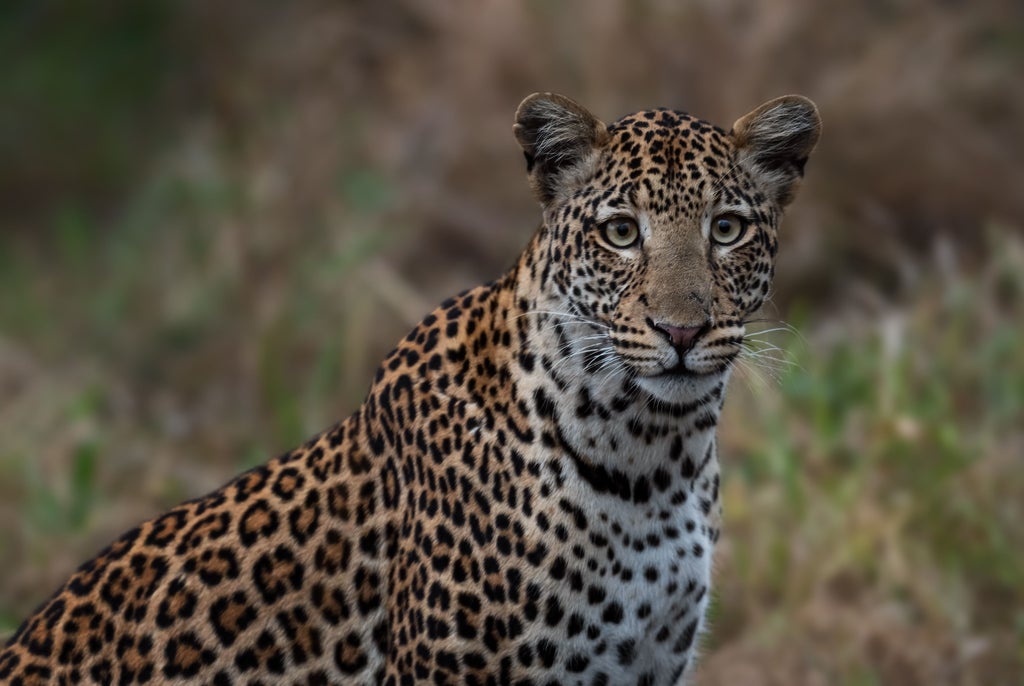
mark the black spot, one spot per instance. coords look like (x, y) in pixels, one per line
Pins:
(547, 652)
(230, 616)
(575, 625)
(258, 521)
(686, 638)
(626, 652)
(349, 656)
(186, 656)
(554, 612)
(612, 613)
(288, 482)
(641, 491)
(577, 663)
(273, 573)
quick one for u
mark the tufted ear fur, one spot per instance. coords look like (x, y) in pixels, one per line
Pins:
(559, 138)
(774, 142)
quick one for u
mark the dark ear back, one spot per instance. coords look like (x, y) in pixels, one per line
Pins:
(774, 142)
(558, 138)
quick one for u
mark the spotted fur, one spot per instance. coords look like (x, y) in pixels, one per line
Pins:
(529, 493)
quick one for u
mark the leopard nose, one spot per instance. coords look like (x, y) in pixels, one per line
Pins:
(681, 337)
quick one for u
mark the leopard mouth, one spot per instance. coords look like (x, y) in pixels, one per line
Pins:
(681, 371)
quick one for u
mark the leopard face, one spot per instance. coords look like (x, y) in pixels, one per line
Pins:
(661, 229)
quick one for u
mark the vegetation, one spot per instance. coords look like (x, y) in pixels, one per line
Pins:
(873, 494)
(216, 217)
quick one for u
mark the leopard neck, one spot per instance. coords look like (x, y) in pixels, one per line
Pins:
(618, 438)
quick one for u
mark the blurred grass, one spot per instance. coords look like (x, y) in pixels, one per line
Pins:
(883, 477)
(60, 59)
(216, 217)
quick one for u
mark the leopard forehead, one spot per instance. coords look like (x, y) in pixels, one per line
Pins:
(648, 133)
(668, 162)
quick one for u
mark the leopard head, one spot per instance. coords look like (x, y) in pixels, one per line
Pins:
(660, 230)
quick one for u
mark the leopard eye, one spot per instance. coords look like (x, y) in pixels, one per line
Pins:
(726, 229)
(622, 232)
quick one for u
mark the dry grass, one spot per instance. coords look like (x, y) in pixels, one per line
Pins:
(206, 263)
(873, 530)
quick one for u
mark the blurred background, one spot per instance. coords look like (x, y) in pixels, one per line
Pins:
(216, 217)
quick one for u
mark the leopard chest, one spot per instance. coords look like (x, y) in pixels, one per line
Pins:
(626, 595)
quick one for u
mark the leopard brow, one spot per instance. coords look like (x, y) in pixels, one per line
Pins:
(732, 208)
(607, 212)
(715, 205)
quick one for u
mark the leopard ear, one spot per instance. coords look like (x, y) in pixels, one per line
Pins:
(559, 138)
(774, 142)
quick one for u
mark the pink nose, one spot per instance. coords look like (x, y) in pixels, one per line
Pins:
(681, 337)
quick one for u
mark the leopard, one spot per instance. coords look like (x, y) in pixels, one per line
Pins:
(530, 492)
